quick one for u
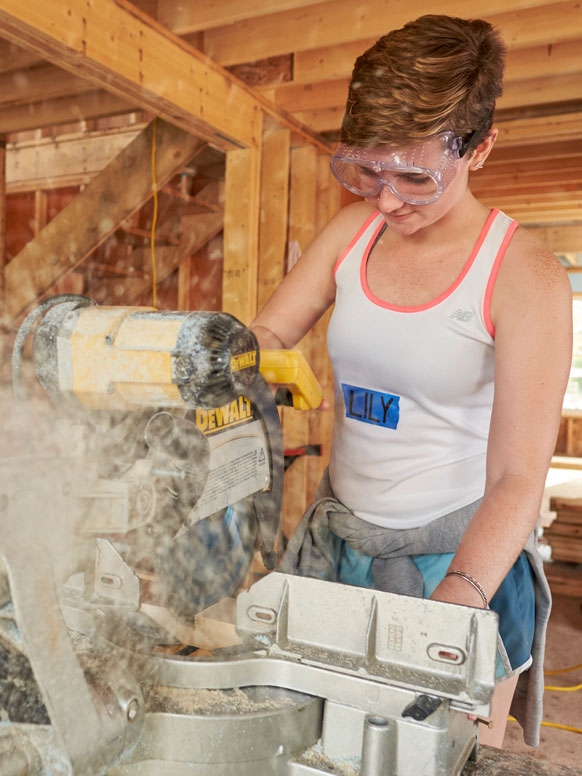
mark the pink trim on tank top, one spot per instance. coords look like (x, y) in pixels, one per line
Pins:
(493, 277)
(441, 297)
(361, 230)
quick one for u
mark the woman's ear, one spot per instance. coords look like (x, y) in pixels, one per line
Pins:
(483, 150)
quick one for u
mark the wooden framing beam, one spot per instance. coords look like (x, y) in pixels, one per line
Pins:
(550, 129)
(13, 57)
(41, 82)
(116, 192)
(343, 22)
(546, 153)
(537, 209)
(125, 52)
(161, 73)
(335, 62)
(62, 110)
(328, 98)
(566, 238)
(538, 91)
(186, 18)
(71, 160)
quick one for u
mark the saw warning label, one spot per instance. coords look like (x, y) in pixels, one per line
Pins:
(228, 415)
(239, 466)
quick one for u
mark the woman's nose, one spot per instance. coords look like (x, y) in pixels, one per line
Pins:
(387, 200)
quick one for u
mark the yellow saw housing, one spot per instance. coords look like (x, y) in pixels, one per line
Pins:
(122, 358)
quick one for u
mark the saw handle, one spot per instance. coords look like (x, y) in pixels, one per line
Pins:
(290, 368)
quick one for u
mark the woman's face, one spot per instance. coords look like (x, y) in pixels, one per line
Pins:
(407, 219)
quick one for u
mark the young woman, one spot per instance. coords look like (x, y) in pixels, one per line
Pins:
(450, 340)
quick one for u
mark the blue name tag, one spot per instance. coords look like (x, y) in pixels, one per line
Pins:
(380, 409)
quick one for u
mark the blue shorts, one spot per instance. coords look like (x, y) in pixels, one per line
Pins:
(514, 600)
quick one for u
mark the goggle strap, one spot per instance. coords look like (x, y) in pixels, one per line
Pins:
(469, 142)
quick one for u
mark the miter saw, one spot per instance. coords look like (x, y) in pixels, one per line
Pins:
(143, 506)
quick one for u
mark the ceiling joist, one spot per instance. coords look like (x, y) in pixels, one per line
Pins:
(343, 22)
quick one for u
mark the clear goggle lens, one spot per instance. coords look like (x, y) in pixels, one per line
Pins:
(418, 174)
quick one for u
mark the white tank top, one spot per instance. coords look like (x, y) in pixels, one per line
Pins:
(413, 387)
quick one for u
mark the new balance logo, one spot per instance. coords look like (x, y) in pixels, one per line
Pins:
(462, 315)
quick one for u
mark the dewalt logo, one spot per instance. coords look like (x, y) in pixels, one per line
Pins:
(243, 360)
(228, 415)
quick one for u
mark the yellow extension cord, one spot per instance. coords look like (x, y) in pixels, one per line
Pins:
(572, 688)
(154, 218)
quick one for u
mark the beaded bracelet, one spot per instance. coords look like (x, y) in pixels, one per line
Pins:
(472, 582)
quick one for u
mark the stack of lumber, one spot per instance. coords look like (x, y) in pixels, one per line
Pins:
(564, 536)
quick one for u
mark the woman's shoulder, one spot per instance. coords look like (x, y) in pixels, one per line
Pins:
(527, 251)
(532, 269)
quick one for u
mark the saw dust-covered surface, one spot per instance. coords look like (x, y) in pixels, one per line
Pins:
(248, 700)
(314, 758)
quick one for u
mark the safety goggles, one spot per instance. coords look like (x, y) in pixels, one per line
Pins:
(417, 174)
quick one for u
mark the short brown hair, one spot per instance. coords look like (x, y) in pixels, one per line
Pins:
(435, 73)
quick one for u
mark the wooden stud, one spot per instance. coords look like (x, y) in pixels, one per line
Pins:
(321, 422)
(2, 231)
(274, 212)
(40, 210)
(302, 226)
(241, 227)
(184, 281)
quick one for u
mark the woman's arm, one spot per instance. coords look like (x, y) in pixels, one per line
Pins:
(531, 309)
(308, 290)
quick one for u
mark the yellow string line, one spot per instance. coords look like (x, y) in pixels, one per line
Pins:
(154, 217)
(573, 688)
(553, 725)
(562, 670)
(562, 727)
